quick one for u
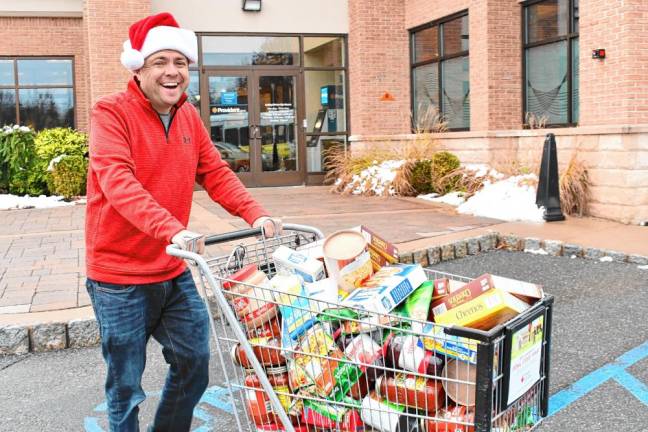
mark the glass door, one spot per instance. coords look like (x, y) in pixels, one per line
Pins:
(252, 117)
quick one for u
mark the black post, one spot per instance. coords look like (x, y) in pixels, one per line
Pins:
(548, 194)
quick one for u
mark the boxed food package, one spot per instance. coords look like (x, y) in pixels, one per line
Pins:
(461, 348)
(381, 251)
(310, 269)
(463, 295)
(492, 307)
(527, 291)
(387, 288)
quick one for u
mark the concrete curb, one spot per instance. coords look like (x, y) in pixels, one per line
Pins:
(80, 333)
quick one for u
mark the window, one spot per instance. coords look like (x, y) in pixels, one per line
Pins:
(551, 61)
(37, 92)
(439, 52)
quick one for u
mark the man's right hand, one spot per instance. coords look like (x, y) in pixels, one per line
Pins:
(189, 241)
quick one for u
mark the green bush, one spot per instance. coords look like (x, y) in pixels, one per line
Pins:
(68, 176)
(17, 158)
(421, 176)
(443, 163)
(55, 142)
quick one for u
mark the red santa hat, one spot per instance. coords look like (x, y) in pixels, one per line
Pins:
(156, 33)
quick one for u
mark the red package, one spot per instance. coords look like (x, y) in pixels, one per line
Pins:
(450, 420)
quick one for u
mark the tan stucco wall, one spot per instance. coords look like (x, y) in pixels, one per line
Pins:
(41, 7)
(284, 16)
(616, 159)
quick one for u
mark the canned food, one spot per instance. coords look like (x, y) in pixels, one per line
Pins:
(387, 417)
(259, 402)
(415, 392)
(347, 259)
(266, 350)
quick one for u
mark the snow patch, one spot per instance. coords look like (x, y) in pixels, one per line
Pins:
(9, 202)
(643, 267)
(452, 198)
(606, 259)
(536, 251)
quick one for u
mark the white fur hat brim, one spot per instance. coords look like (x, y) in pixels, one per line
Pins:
(157, 39)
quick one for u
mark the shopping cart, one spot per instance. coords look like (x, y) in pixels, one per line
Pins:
(339, 368)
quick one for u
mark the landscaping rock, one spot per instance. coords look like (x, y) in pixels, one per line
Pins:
(532, 244)
(83, 333)
(406, 258)
(617, 256)
(447, 252)
(14, 340)
(572, 249)
(461, 249)
(593, 254)
(48, 337)
(509, 242)
(487, 242)
(472, 246)
(434, 255)
(553, 247)
(421, 257)
(638, 259)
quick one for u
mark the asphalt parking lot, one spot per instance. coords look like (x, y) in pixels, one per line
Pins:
(599, 317)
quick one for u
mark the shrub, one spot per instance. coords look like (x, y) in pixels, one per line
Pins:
(17, 157)
(421, 176)
(69, 176)
(56, 142)
(574, 188)
(443, 163)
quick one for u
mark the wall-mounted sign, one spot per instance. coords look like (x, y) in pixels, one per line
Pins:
(229, 98)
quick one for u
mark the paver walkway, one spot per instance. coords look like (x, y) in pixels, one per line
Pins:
(42, 250)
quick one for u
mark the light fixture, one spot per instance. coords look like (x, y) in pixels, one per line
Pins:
(252, 5)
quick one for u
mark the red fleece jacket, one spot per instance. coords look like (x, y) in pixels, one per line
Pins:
(140, 186)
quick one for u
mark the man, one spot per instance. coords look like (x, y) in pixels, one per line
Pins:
(147, 147)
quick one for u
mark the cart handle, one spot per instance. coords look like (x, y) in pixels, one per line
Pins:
(254, 232)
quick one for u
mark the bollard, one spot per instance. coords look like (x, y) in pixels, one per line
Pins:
(548, 194)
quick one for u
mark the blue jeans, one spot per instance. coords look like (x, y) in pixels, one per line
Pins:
(175, 315)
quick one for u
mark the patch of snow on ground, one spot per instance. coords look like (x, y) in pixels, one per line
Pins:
(9, 202)
(606, 259)
(536, 251)
(377, 178)
(512, 199)
(452, 198)
(643, 267)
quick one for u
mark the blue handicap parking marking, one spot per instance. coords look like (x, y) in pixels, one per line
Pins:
(617, 371)
(214, 397)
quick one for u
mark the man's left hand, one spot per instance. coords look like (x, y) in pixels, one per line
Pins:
(271, 226)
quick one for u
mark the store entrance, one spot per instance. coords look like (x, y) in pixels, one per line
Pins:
(252, 117)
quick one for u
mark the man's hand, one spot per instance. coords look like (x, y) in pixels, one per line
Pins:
(189, 241)
(271, 226)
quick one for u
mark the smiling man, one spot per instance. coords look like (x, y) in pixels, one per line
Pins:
(147, 148)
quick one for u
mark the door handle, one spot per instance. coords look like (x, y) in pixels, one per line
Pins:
(255, 132)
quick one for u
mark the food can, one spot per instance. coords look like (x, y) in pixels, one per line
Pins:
(347, 259)
(462, 393)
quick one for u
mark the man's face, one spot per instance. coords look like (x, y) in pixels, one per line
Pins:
(163, 79)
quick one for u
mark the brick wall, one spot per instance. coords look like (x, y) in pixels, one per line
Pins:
(614, 90)
(51, 37)
(378, 63)
(106, 25)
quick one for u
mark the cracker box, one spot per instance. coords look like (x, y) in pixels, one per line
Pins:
(310, 269)
(492, 307)
(527, 291)
(462, 295)
(381, 251)
(387, 288)
(461, 348)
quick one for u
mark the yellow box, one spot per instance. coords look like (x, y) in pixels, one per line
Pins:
(493, 307)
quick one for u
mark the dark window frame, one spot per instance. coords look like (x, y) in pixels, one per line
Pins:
(17, 87)
(439, 59)
(569, 37)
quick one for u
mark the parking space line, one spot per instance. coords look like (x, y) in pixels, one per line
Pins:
(615, 370)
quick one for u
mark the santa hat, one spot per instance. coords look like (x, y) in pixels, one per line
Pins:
(156, 33)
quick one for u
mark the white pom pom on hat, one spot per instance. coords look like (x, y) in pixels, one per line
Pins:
(156, 33)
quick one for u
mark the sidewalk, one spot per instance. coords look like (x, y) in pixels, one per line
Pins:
(42, 252)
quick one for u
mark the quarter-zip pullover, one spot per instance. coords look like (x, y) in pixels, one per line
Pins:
(140, 186)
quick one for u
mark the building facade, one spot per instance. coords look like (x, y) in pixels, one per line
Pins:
(277, 87)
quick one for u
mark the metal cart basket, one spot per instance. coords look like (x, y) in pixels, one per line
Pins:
(297, 360)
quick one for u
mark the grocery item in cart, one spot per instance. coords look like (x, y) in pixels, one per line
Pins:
(526, 291)
(441, 288)
(484, 312)
(368, 356)
(253, 306)
(459, 381)
(417, 305)
(271, 329)
(387, 417)
(347, 259)
(266, 350)
(381, 251)
(406, 352)
(435, 339)
(387, 288)
(325, 364)
(424, 394)
(471, 290)
(450, 420)
(327, 415)
(308, 268)
(257, 399)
